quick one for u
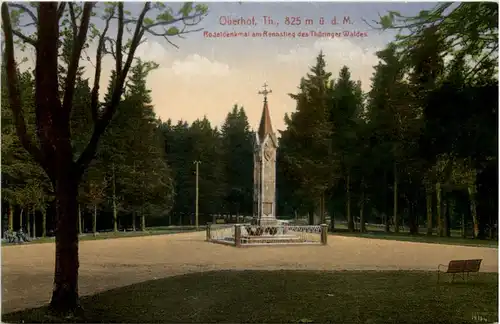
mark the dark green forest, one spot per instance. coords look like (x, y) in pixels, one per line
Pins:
(419, 149)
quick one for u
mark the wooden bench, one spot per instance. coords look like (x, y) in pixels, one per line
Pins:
(460, 267)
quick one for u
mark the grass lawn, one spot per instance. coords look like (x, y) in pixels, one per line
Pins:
(421, 238)
(291, 297)
(113, 235)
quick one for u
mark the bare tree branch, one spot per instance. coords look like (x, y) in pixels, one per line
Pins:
(24, 38)
(165, 34)
(170, 22)
(99, 127)
(119, 39)
(170, 42)
(88, 57)
(24, 9)
(112, 43)
(410, 26)
(97, 76)
(136, 40)
(476, 69)
(60, 10)
(78, 43)
(28, 24)
(74, 26)
(14, 91)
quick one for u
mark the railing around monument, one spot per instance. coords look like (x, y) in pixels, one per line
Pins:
(255, 235)
(221, 233)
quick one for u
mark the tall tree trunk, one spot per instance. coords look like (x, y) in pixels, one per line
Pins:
(350, 222)
(473, 209)
(133, 221)
(311, 215)
(446, 211)
(449, 215)
(21, 220)
(490, 234)
(65, 291)
(94, 221)
(44, 222)
(322, 208)
(428, 202)
(115, 212)
(11, 218)
(395, 200)
(413, 224)
(362, 227)
(34, 222)
(28, 221)
(386, 214)
(54, 153)
(143, 216)
(332, 217)
(439, 210)
(464, 228)
(55, 141)
(79, 220)
(416, 218)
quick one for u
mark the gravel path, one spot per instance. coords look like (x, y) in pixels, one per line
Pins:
(27, 270)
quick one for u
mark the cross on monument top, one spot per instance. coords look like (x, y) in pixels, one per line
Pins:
(265, 92)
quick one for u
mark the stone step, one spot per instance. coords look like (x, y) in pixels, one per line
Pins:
(272, 239)
(266, 236)
(273, 242)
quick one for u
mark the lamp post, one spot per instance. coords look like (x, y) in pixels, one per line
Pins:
(197, 163)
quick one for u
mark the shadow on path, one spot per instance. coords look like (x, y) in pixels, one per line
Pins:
(288, 296)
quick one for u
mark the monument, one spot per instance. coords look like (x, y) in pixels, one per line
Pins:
(265, 228)
(265, 146)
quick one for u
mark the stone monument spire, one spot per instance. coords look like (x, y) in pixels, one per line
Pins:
(265, 148)
(265, 126)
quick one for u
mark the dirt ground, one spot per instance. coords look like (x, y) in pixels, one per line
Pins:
(27, 270)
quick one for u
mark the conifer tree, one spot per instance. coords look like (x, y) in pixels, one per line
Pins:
(237, 156)
(345, 118)
(310, 154)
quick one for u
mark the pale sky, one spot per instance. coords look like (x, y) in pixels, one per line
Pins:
(207, 76)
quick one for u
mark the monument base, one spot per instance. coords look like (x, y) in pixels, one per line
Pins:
(265, 221)
(283, 238)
